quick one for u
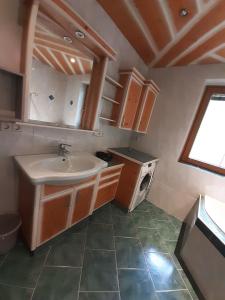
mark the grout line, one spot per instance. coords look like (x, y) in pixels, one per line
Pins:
(46, 257)
(147, 266)
(166, 291)
(185, 283)
(117, 273)
(85, 241)
(100, 292)
(94, 249)
(56, 266)
(15, 285)
(6, 255)
(138, 269)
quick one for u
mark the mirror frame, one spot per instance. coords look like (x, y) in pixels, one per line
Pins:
(62, 13)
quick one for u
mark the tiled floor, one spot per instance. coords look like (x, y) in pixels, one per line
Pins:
(111, 256)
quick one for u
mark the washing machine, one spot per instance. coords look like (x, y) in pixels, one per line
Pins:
(143, 184)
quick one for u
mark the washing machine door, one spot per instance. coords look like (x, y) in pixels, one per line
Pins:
(145, 182)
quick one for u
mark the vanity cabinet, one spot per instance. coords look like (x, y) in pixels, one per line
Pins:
(47, 210)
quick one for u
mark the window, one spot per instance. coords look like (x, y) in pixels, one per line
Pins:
(205, 145)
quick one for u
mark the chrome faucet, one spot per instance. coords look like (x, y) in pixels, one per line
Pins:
(62, 151)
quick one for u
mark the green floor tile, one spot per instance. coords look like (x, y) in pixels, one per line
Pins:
(188, 285)
(143, 219)
(100, 236)
(2, 257)
(57, 284)
(174, 295)
(80, 227)
(117, 211)
(129, 253)
(144, 206)
(14, 293)
(99, 296)
(67, 252)
(99, 271)
(20, 269)
(163, 272)
(135, 285)
(167, 230)
(124, 226)
(151, 240)
(102, 215)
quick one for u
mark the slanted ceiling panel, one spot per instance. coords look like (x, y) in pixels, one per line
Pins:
(163, 38)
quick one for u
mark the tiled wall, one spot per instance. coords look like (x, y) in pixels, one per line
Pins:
(40, 140)
(176, 186)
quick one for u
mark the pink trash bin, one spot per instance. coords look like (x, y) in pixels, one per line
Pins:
(9, 226)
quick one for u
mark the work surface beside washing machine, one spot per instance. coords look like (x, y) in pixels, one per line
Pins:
(133, 155)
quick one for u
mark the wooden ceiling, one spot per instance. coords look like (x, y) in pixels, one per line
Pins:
(51, 49)
(163, 38)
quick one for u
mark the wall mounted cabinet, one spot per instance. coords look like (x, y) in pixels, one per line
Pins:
(136, 101)
(146, 105)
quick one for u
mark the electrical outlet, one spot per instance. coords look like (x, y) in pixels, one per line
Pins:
(16, 127)
(6, 126)
(98, 133)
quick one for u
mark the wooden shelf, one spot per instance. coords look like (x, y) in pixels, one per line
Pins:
(113, 81)
(110, 99)
(107, 119)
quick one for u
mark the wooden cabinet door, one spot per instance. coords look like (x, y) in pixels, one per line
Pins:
(132, 101)
(54, 216)
(146, 111)
(106, 193)
(82, 203)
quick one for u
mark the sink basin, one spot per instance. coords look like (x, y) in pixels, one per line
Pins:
(71, 164)
(50, 168)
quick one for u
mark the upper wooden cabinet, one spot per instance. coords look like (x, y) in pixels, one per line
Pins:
(146, 105)
(128, 98)
(136, 100)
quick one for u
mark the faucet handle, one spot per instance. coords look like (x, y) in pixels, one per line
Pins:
(63, 145)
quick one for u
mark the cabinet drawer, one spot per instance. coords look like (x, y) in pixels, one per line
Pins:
(110, 179)
(106, 194)
(110, 171)
(49, 189)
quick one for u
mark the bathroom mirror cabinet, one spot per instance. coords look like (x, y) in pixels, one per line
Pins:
(65, 66)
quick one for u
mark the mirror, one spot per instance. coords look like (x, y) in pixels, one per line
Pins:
(60, 76)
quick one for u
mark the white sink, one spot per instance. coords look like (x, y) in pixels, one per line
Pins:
(50, 168)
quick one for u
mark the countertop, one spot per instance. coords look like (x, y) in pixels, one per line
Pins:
(133, 155)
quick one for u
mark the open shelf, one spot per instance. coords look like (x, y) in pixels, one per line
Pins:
(107, 119)
(110, 99)
(113, 81)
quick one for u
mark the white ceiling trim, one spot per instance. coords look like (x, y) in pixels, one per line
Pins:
(68, 62)
(200, 41)
(80, 66)
(140, 22)
(166, 12)
(44, 58)
(218, 57)
(184, 31)
(56, 60)
(208, 53)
